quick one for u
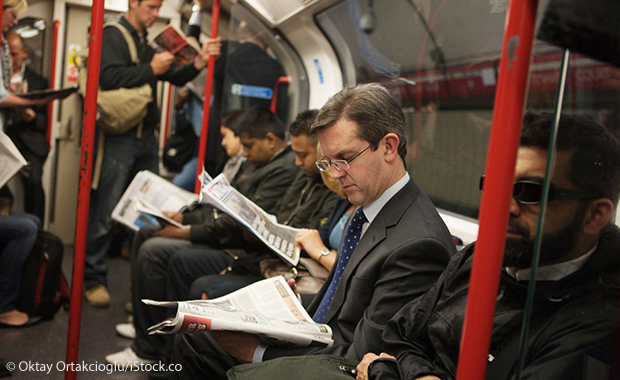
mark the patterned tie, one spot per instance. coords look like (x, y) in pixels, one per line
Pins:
(351, 238)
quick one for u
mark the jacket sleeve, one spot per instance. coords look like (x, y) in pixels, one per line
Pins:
(39, 124)
(179, 75)
(406, 334)
(117, 69)
(272, 188)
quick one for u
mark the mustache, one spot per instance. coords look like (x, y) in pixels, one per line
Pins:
(518, 228)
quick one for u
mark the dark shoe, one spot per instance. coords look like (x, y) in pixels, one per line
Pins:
(32, 320)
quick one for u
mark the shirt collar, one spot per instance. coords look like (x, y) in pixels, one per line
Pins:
(372, 209)
(19, 77)
(553, 272)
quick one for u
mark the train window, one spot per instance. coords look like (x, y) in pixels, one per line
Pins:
(440, 61)
(32, 31)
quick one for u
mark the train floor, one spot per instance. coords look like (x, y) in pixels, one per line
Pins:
(36, 349)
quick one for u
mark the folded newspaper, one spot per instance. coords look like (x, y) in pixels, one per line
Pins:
(280, 238)
(147, 195)
(267, 308)
(11, 160)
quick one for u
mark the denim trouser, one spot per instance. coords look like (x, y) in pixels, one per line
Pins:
(18, 233)
(186, 179)
(124, 155)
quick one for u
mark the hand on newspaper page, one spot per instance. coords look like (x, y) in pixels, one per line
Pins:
(174, 215)
(239, 345)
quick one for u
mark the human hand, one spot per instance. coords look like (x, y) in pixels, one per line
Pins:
(362, 367)
(239, 345)
(161, 62)
(27, 114)
(213, 47)
(310, 241)
(293, 285)
(176, 216)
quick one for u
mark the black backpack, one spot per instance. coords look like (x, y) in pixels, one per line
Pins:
(181, 144)
(43, 288)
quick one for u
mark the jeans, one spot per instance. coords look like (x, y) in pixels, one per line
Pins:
(186, 179)
(18, 233)
(124, 155)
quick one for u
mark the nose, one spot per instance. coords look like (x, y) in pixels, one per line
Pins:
(514, 207)
(298, 161)
(335, 173)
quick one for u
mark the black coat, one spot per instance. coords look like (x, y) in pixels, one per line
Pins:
(30, 137)
(577, 315)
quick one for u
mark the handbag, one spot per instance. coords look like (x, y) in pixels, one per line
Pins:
(121, 109)
(307, 367)
(309, 275)
(181, 144)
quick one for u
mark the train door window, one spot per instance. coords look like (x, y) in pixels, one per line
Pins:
(256, 57)
(32, 30)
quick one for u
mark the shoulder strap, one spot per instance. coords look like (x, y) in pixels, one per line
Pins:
(130, 42)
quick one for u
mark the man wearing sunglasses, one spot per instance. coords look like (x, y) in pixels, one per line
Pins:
(401, 249)
(575, 309)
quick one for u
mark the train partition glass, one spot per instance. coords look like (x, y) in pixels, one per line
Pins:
(440, 60)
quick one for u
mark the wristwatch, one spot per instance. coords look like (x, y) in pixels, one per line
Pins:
(324, 252)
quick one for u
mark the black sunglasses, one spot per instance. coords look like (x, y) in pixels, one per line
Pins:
(530, 192)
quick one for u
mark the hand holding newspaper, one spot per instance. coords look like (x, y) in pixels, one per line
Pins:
(267, 308)
(278, 237)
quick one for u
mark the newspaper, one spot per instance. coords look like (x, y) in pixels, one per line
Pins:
(11, 160)
(147, 194)
(267, 308)
(174, 40)
(278, 237)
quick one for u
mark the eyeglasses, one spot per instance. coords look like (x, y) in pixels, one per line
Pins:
(324, 164)
(530, 192)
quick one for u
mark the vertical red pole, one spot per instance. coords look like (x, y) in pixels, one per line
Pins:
(86, 166)
(167, 126)
(50, 107)
(206, 106)
(494, 209)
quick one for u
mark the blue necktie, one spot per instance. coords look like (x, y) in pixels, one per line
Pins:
(351, 238)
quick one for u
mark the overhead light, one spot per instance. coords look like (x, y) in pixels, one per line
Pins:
(39, 24)
(28, 33)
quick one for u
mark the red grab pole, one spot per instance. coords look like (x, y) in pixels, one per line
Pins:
(50, 107)
(494, 208)
(167, 121)
(86, 166)
(206, 105)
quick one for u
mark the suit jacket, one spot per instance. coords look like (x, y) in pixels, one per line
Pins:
(30, 137)
(399, 258)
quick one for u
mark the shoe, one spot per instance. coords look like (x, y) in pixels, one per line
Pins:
(127, 357)
(129, 307)
(126, 330)
(32, 320)
(97, 296)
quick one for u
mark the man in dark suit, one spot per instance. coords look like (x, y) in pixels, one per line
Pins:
(403, 243)
(27, 126)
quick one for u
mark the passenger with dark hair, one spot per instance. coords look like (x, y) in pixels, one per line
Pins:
(266, 176)
(575, 310)
(403, 243)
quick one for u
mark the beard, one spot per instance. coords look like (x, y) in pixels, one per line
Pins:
(519, 252)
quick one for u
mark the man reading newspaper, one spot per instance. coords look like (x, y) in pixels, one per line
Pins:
(394, 248)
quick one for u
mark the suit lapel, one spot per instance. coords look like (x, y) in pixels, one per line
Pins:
(388, 217)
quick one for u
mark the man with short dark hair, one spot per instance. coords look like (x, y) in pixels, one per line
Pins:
(575, 309)
(403, 243)
(127, 153)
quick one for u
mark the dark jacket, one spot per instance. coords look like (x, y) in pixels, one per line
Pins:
(117, 69)
(263, 186)
(577, 316)
(30, 137)
(399, 257)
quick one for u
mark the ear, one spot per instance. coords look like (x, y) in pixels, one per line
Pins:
(271, 140)
(133, 4)
(597, 216)
(391, 147)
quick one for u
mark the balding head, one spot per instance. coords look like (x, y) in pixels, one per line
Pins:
(17, 50)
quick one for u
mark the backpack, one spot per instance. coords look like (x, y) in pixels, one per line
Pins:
(43, 287)
(121, 109)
